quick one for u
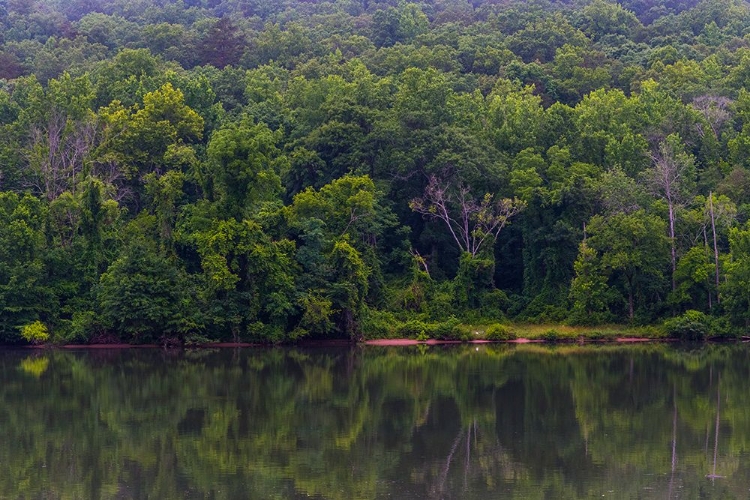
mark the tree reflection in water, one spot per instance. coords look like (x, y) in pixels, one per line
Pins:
(372, 422)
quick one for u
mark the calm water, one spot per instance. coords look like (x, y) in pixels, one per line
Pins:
(460, 422)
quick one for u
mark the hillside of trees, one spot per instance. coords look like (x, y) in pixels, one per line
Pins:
(272, 170)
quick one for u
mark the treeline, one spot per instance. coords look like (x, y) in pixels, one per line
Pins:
(272, 171)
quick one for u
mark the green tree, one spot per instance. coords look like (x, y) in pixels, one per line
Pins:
(24, 294)
(144, 297)
(589, 292)
(142, 139)
(633, 250)
(737, 278)
(243, 167)
(248, 285)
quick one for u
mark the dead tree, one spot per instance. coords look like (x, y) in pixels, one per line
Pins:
(57, 151)
(715, 109)
(668, 180)
(470, 222)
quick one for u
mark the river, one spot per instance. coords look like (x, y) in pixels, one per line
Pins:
(417, 422)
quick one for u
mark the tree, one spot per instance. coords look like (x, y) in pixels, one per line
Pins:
(341, 229)
(222, 45)
(143, 296)
(601, 18)
(244, 164)
(589, 291)
(348, 286)
(671, 179)
(141, 139)
(470, 222)
(737, 273)
(24, 293)
(248, 281)
(632, 247)
(62, 133)
(391, 26)
(718, 212)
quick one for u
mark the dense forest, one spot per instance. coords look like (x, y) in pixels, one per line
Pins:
(182, 171)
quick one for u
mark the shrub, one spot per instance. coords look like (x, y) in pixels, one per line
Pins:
(692, 325)
(449, 330)
(378, 324)
(35, 333)
(494, 304)
(497, 331)
(413, 329)
(551, 335)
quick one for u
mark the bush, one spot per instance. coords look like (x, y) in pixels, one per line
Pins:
(79, 329)
(413, 329)
(494, 304)
(378, 324)
(449, 330)
(692, 325)
(497, 331)
(35, 333)
(551, 335)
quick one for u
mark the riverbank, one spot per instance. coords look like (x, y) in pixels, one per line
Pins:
(458, 334)
(411, 342)
(423, 332)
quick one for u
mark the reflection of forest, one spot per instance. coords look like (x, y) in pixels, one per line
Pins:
(524, 422)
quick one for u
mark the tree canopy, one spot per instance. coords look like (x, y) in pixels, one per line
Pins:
(268, 171)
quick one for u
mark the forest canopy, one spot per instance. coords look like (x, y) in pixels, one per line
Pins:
(275, 170)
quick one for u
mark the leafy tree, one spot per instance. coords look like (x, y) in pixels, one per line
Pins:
(589, 292)
(24, 296)
(737, 276)
(141, 138)
(248, 279)
(243, 167)
(601, 18)
(221, 45)
(633, 249)
(391, 25)
(143, 296)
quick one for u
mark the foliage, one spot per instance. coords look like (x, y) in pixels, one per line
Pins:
(35, 333)
(283, 170)
(498, 331)
(692, 325)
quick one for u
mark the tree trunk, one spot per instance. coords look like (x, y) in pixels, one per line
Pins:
(631, 308)
(708, 280)
(671, 241)
(716, 247)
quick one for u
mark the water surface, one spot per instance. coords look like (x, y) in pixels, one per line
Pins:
(414, 422)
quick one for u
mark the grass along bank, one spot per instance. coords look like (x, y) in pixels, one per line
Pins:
(692, 326)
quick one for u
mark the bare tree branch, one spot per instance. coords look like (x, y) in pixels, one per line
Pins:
(57, 151)
(715, 109)
(667, 180)
(475, 221)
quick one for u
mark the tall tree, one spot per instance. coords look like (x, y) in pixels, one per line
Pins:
(471, 222)
(632, 247)
(671, 178)
(222, 44)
